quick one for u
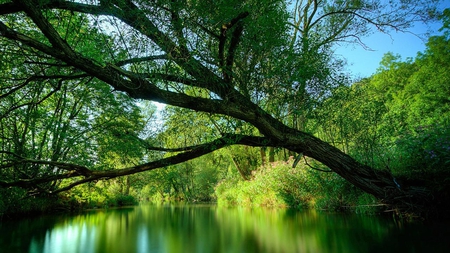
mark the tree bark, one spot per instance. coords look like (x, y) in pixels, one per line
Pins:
(271, 154)
(262, 151)
(408, 197)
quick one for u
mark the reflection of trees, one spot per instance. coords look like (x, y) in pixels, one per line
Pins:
(290, 231)
(206, 228)
(20, 234)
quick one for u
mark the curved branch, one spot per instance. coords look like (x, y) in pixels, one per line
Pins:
(177, 24)
(236, 105)
(131, 15)
(35, 78)
(314, 168)
(47, 29)
(235, 38)
(91, 175)
(226, 62)
(378, 25)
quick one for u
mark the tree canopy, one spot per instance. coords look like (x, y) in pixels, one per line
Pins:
(72, 70)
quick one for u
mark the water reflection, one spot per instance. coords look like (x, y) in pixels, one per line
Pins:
(207, 228)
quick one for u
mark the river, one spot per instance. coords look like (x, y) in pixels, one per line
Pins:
(207, 228)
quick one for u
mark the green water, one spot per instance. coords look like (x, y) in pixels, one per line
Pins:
(208, 228)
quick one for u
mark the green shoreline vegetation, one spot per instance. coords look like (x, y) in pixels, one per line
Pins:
(259, 112)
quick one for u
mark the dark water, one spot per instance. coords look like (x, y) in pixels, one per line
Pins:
(207, 228)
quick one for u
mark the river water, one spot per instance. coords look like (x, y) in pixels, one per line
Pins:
(208, 228)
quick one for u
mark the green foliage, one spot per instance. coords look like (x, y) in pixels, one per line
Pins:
(396, 120)
(280, 185)
(122, 200)
(102, 194)
(14, 202)
(423, 152)
(55, 118)
(54, 110)
(192, 181)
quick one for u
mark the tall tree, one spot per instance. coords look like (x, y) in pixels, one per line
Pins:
(231, 51)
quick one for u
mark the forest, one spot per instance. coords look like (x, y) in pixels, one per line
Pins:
(253, 108)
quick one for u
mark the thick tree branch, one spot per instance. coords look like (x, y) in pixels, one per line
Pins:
(130, 14)
(226, 62)
(236, 106)
(91, 175)
(137, 87)
(13, 7)
(47, 29)
(177, 24)
(235, 38)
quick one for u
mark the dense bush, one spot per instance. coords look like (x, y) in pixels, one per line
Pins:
(280, 185)
(99, 195)
(15, 202)
(121, 200)
(425, 150)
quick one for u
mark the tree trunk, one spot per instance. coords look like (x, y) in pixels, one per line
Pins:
(271, 154)
(243, 172)
(263, 155)
(127, 185)
(380, 183)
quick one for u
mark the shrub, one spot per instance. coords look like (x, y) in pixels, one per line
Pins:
(121, 200)
(280, 185)
(422, 152)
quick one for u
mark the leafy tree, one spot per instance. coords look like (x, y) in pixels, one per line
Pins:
(398, 118)
(428, 89)
(170, 51)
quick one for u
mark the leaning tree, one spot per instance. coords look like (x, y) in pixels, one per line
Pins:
(252, 61)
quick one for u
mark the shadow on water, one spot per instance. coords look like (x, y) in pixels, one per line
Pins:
(208, 228)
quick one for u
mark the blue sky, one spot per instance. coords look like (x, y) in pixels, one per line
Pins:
(363, 63)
